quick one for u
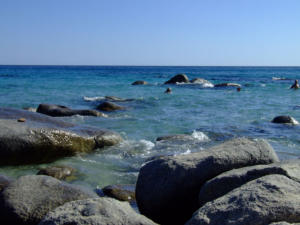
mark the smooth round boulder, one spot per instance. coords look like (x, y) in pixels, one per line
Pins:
(262, 201)
(59, 172)
(60, 111)
(232, 179)
(139, 82)
(285, 120)
(108, 107)
(120, 192)
(179, 78)
(100, 211)
(28, 199)
(167, 188)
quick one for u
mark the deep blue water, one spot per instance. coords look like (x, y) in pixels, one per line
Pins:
(208, 115)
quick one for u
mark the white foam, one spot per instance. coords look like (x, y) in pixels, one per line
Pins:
(263, 85)
(91, 99)
(207, 85)
(200, 136)
(147, 144)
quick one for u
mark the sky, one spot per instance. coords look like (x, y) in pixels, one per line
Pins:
(150, 32)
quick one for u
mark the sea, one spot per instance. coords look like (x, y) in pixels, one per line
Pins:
(203, 114)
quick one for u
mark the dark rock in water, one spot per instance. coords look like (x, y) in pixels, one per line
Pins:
(168, 91)
(285, 119)
(201, 81)
(117, 99)
(179, 78)
(59, 110)
(108, 106)
(28, 199)
(139, 82)
(175, 137)
(120, 192)
(227, 85)
(45, 139)
(58, 172)
(100, 211)
(262, 201)
(232, 179)
(4, 182)
(167, 189)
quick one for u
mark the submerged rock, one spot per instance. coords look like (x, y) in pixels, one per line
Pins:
(262, 201)
(179, 78)
(58, 172)
(285, 119)
(45, 139)
(99, 211)
(167, 189)
(117, 99)
(139, 82)
(59, 110)
(227, 85)
(232, 179)
(28, 199)
(108, 106)
(120, 192)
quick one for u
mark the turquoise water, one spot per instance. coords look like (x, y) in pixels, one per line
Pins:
(207, 115)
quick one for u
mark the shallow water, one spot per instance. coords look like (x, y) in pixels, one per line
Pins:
(207, 115)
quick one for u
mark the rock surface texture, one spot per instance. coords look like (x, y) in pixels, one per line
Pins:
(44, 139)
(262, 201)
(167, 189)
(232, 179)
(28, 199)
(100, 211)
(58, 172)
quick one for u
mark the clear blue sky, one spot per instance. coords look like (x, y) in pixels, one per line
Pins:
(150, 32)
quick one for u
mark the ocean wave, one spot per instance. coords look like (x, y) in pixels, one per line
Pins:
(92, 99)
(200, 136)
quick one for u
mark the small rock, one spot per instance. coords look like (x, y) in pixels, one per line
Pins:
(58, 172)
(139, 82)
(168, 91)
(22, 120)
(120, 192)
(108, 106)
(227, 85)
(285, 119)
(179, 78)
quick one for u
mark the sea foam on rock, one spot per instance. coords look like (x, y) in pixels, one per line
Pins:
(262, 201)
(28, 199)
(167, 188)
(43, 139)
(98, 211)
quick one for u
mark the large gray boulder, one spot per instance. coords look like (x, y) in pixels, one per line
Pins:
(28, 199)
(167, 189)
(232, 179)
(100, 211)
(179, 78)
(60, 110)
(268, 199)
(44, 139)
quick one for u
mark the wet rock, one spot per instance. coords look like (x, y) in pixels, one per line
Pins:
(120, 192)
(285, 119)
(30, 109)
(45, 139)
(4, 182)
(108, 106)
(139, 82)
(262, 201)
(167, 189)
(117, 99)
(98, 211)
(58, 172)
(227, 85)
(202, 82)
(179, 78)
(59, 110)
(22, 120)
(232, 179)
(28, 199)
(175, 137)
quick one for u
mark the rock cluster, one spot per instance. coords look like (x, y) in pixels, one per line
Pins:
(238, 182)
